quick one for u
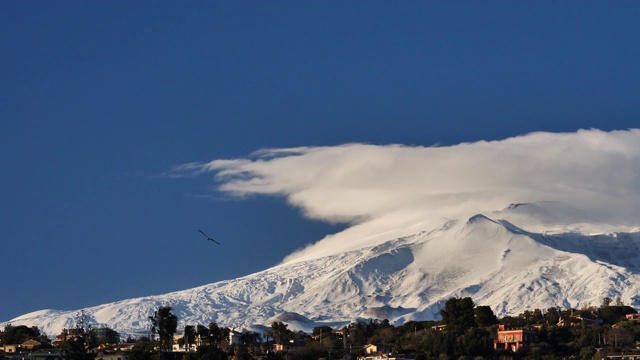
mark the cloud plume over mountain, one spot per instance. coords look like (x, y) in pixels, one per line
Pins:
(509, 223)
(385, 191)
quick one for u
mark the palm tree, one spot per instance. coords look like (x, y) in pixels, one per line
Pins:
(189, 336)
(248, 341)
(250, 338)
(203, 335)
(280, 332)
(219, 336)
(268, 334)
(165, 323)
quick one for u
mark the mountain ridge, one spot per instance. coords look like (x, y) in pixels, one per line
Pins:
(488, 258)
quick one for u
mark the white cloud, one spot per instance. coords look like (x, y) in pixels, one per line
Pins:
(392, 190)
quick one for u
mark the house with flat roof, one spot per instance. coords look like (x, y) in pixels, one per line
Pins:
(513, 339)
(633, 317)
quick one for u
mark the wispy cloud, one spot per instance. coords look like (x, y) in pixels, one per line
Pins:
(395, 189)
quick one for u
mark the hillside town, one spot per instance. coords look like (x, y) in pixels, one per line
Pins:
(466, 331)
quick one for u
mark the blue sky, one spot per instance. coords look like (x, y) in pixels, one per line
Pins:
(99, 100)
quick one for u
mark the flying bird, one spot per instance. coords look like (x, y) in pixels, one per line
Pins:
(208, 237)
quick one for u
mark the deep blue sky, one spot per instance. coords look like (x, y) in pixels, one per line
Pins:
(99, 99)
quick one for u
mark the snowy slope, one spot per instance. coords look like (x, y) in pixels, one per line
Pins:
(490, 259)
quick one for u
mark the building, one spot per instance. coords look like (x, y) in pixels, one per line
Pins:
(235, 337)
(513, 339)
(378, 352)
(385, 357)
(123, 347)
(107, 335)
(112, 357)
(66, 335)
(180, 344)
(586, 319)
(30, 345)
(291, 345)
(11, 348)
(373, 349)
(51, 354)
(633, 317)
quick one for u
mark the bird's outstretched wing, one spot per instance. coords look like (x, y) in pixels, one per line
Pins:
(208, 237)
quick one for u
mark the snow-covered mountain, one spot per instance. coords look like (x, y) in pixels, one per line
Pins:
(488, 258)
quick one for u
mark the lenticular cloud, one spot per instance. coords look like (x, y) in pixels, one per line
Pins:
(393, 190)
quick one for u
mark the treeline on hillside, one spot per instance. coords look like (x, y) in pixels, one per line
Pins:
(465, 331)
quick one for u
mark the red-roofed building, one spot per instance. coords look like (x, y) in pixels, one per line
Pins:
(513, 339)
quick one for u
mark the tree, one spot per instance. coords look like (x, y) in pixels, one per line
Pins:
(83, 338)
(250, 337)
(612, 314)
(165, 324)
(214, 343)
(189, 336)
(218, 335)
(385, 335)
(552, 316)
(19, 334)
(619, 338)
(322, 330)
(268, 334)
(77, 350)
(474, 342)
(248, 341)
(210, 353)
(203, 334)
(45, 341)
(458, 315)
(537, 316)
(280, 332)
(246, 348)
(484, 316)
(142, 350)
